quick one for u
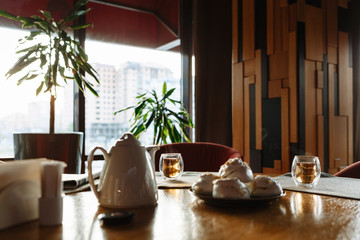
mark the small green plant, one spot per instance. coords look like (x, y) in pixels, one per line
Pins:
(153, 110)
(48, 51)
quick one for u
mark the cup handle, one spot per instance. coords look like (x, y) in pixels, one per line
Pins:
(90, 175)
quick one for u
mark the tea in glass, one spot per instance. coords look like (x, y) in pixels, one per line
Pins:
(171, 165)
(306, 170)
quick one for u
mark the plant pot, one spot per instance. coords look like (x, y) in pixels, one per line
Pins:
(66, 147)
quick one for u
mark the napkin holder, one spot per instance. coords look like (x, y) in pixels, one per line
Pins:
(19, 203)
(20, 190)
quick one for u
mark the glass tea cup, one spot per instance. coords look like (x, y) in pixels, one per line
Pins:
(306, 171)
(171, 165)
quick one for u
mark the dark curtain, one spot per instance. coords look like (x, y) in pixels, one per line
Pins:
(212, 49)
(356, 75)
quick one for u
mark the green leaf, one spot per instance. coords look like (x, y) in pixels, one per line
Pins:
(81, 26)
(88, 85)
(8, 15)
(38, 90)
(164, 88)
(78, 81)
(46, 14)
(167, 94)
(20, 65)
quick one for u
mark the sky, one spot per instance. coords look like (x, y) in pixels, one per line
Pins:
(15, 98)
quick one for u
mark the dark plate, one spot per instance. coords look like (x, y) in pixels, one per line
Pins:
(237, 202)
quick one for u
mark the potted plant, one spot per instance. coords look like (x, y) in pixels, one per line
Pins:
(155, 111)
(53, 57)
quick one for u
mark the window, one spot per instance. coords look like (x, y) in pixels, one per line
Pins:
(20, 109)
(133, 70)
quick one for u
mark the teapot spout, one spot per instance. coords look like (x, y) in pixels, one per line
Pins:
(152, 150)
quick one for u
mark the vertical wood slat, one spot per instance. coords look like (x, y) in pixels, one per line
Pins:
(301, 10)
(293, 88)
(332, 55)
(310, 108)
(248, 29)
(351, 127)
(277, 27)
(258, 98)
(332, 23)
(238, 106)
(331, 71)
(314, 34)
(292, 17)
(285, 27)
(235, 22)
(344, 80)
(319, 102)
(341, 141)
(343, 3)
(247, 82)
(270, 26)
(274, 88)
(285, 135)
(345, 89)
(320, 140)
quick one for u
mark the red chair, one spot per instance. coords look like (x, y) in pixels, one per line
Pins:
(199, 156)
(351, 171)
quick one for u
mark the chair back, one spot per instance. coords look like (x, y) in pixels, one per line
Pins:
(199, 156)
(352, 171)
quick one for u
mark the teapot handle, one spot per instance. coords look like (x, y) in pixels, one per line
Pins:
(90, 159)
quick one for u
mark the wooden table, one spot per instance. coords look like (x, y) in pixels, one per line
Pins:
(180, 215)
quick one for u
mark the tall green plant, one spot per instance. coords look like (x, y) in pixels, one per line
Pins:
(57, 54)
(153, 110)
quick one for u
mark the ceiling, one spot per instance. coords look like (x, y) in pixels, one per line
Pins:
(144, 23)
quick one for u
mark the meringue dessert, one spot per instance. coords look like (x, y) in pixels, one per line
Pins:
(230, 189)
(236, 168)
(264, 186)
(205, 184)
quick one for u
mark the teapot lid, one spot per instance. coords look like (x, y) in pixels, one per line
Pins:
(127, 139)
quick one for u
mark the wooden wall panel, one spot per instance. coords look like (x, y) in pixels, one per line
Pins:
(274, 88)
(306, 70)
(292, 18)
(341, 141)
(345, 85)
(314, 33)
(310, 109)
(332, 55)
(332, 23)
(285, 27)
(248, 29)
(235, 35)
(249, 67)
(277, 27)
(293, 87)
(343, 3)
(331, 72)
(247, 82)
(279, 65)
(270, 26)
(320, 140)
(285, 134)
(238, 106)
(301, 10)
(258, 98)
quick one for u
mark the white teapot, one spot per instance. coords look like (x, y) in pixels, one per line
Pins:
(128, 178)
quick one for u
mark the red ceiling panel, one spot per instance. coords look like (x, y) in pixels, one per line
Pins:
(146, 23)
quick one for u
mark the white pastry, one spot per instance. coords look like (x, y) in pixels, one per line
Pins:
(205, 184)
(265, 186)
(236, 168)
(230, 189)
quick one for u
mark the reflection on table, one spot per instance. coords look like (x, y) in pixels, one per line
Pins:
(180, 215)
